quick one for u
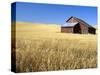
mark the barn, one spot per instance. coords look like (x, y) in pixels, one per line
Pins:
(76, 25)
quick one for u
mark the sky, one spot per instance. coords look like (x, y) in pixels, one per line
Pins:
(53, 13)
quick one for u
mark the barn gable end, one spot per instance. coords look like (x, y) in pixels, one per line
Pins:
(71, 20)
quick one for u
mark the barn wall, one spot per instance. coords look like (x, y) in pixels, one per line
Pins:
(67, 29)
(84, 28)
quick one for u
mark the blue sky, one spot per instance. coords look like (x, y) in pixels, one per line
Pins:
(53, 13)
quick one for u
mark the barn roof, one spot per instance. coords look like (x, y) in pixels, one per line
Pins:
(69, 24)
(83, 22)
(80, 21)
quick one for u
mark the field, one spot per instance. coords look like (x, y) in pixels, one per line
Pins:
(42, 47)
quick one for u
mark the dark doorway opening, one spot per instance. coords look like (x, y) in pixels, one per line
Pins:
(77, 29)
(91, 30)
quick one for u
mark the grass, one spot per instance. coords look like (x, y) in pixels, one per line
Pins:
(41, 47)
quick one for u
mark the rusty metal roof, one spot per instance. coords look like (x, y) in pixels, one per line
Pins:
(69, 24)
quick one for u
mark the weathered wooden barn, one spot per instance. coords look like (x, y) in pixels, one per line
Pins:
(76, 25)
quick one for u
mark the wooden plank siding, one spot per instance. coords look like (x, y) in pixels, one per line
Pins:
(67, 29)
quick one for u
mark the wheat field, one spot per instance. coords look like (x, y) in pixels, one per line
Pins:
(42, 47)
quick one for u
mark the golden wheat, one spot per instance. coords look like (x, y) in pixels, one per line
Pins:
(44, 48)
